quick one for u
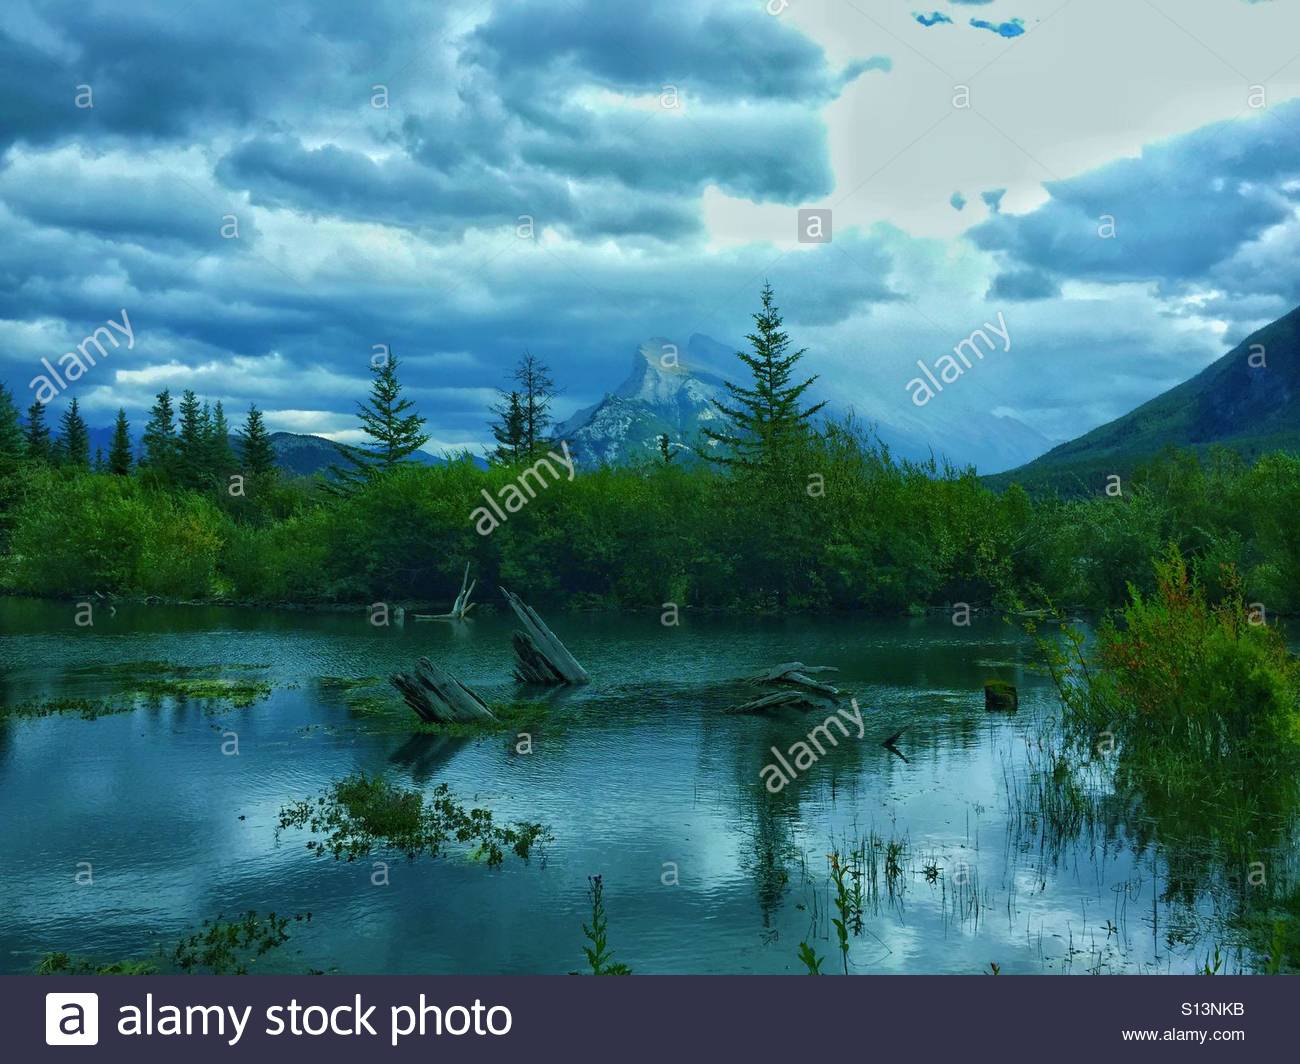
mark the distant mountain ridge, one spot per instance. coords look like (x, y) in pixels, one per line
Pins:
(1248, 400)
(300, 454)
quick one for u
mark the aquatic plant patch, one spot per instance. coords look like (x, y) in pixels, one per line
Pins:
(134, 690)
(218, 947)
(361, 813)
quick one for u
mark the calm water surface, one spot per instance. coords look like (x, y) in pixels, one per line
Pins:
(637, 775)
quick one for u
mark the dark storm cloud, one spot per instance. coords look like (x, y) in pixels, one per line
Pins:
(361, 225)
(714, 52)
(160, 72)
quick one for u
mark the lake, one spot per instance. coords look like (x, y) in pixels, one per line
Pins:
(640, 777)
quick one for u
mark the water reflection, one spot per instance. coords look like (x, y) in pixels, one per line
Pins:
(994, 859)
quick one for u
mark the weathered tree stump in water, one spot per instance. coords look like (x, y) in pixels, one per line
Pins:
(539, 656)
(460, 608)
(998, 694)
(437, 697)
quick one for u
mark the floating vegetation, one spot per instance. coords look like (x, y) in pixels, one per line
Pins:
(66, 964)
(85, 708)
(599, 957)
(361, 813)
(218, 947)
(140, 684)
(231, 948)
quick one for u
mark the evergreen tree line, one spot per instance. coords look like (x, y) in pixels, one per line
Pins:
(185, 445)
(788, 514)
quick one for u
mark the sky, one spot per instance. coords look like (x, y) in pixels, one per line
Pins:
(272, 190)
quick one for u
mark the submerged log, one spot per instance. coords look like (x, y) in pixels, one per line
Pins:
(539, 656)
(437, 697)
(781, 700)
(796, 674)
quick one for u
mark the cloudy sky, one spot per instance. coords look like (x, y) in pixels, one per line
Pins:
(461, 181)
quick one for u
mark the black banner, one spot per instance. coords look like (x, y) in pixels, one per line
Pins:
(648, 1019)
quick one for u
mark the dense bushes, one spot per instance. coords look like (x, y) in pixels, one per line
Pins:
(839, 525)
(1183, 672)
(74, 533)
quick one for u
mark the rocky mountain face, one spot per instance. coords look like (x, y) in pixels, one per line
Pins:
(668, 392)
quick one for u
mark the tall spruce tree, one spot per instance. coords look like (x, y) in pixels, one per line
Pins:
(13, 445)
(255, 452)
(390, 421)
(763, 420)
(191, 442)
(74, 441)
(508, 429)
(160, 446)
(220, 458)
(37, 434)
(119, 455)
(536, 390)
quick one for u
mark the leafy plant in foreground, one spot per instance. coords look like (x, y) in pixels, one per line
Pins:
(810, 960)
(598, 953)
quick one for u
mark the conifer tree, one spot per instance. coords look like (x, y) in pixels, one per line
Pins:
(13, 445)
(160, 445)
(390, 421)
(191, 443)
(255, 452)
(74, 442)
(119, 455)
(220, 458)
(536, 390)
(99, 460)
(508, 429)
(764, 419)
(38, 434)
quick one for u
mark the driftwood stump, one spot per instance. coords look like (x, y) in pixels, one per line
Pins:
(460, 608)
(539, 656)
(437, 697)
(796, 674)
(998, 694)
(798, 689)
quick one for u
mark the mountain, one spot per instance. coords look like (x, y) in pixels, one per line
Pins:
(1248, 400)
(297, 453)
(670, 390)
